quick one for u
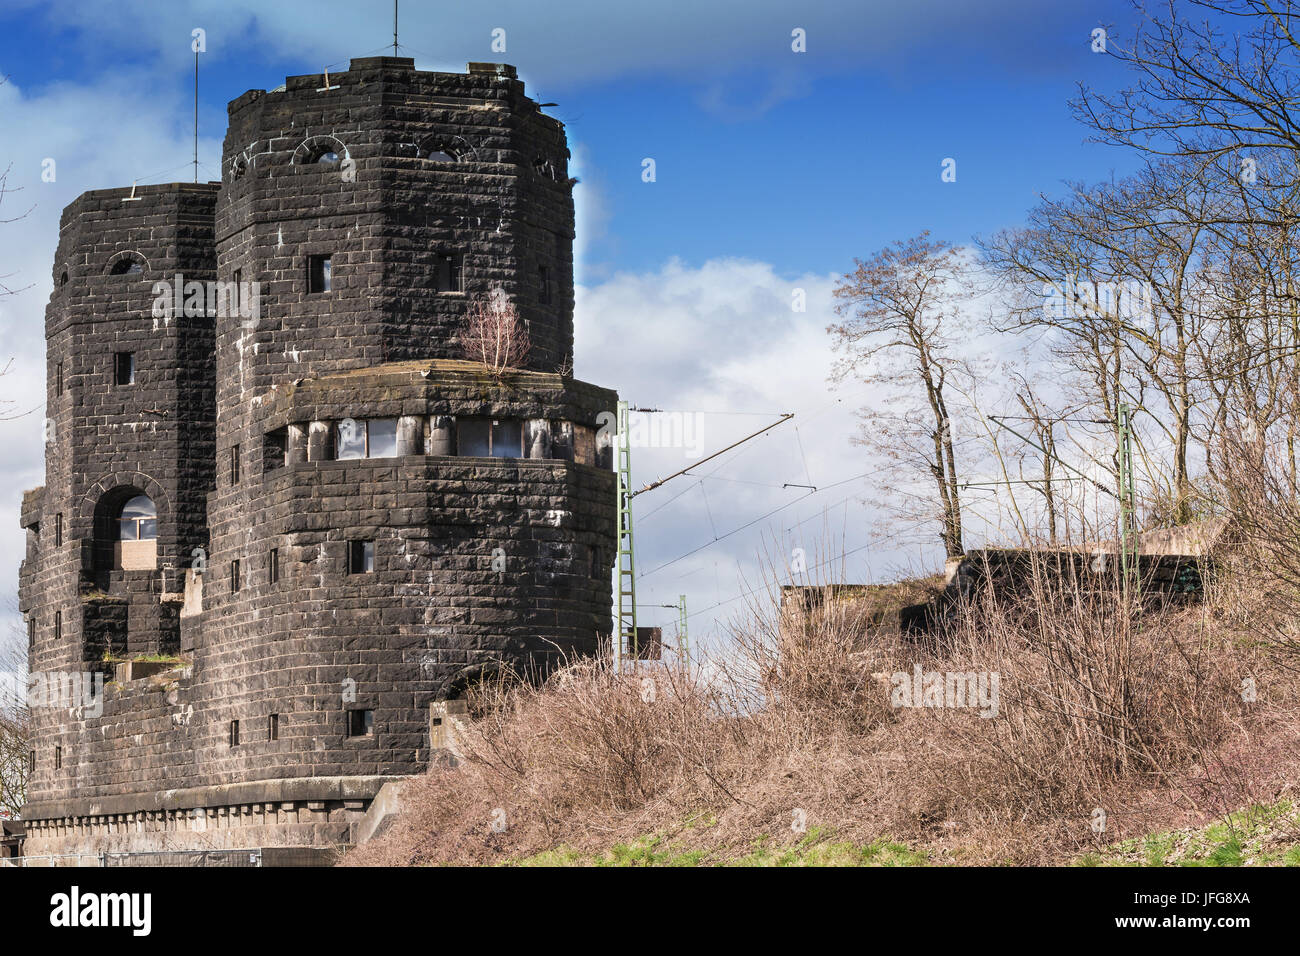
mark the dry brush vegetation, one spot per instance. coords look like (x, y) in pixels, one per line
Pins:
(1143, 716)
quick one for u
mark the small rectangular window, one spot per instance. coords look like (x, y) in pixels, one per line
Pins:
(31, 761)
(58, 379)
(361, 557)
(381, 438)
(31, 632)
(490, 438)
(273, 727)
(58, 529)
(370, 438)
(234, 464)
(361, 723)
(349, 439)
(474, 437)
(319, 271)
(58, 625)
(507, 439)
(58, 757)
(124, 368)
(446, 273)
(234, 733)
(234, 575)
(273, 566)
(236, 278)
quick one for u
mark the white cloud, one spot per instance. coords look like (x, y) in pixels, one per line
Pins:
(99, 138)
(722, 337)
(561, 44)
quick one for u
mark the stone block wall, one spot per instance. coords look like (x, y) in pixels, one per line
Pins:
(480, 561)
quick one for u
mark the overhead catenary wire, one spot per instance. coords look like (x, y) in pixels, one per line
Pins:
(755, 521)
(842, 555)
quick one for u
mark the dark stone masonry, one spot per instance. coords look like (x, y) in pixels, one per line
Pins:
(286, 520)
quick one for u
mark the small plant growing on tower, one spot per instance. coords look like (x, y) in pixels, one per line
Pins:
(495, 336)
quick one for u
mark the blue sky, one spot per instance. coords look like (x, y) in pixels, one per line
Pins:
(774, 170)
(802, 160)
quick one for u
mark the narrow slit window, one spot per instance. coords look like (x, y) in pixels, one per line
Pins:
(273, 727)
(319, 274)
(544, 281)
(234, 464)
(58, 379)
(273, 566)
(234, 733)
(58, 529)
(124, 368)
(58, 758)
(58, 625)
(234, 575)
(446, 273)
(31, 632)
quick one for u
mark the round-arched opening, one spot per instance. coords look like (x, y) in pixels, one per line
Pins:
(320, 151)
(127, 266)
(126, 531)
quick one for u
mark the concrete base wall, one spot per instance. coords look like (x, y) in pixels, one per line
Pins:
(301, 812)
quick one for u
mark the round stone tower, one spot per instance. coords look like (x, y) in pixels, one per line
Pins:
(387, 521)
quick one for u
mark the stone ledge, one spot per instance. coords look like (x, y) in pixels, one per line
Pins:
(290, 789)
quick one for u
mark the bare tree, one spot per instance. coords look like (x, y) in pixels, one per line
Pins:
(903, 308)
(1125, 263)
(15, 733)
(495, 336)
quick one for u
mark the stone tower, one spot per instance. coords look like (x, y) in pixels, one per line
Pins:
(299, 495)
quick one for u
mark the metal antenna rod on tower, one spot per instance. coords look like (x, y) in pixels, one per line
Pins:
(196, 114)
(394, 27)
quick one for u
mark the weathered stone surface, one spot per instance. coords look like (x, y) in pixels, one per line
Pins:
(479, 563)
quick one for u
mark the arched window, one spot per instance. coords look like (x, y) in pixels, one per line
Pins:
(127, 266)
(440, 154)
(139, 520)
(320, 150)
(126, 532)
